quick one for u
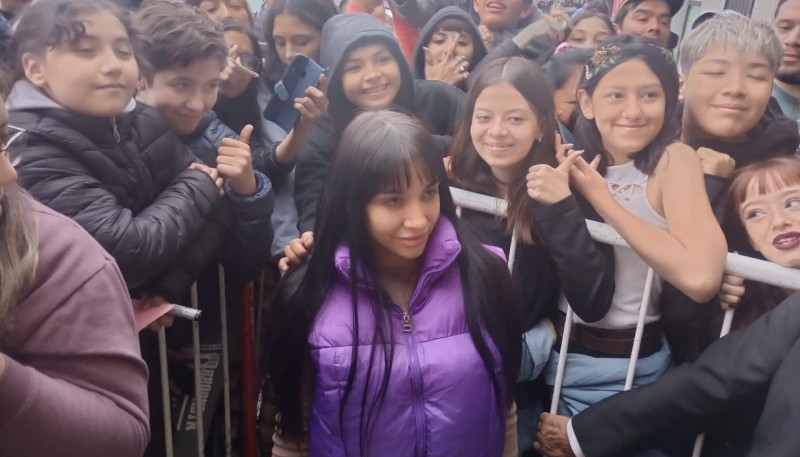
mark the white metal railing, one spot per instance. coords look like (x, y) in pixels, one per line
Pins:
(746, 267)
(199, 406)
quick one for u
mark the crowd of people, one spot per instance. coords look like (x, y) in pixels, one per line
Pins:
(137, 158)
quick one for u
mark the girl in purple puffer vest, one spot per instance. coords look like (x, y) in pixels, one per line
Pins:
(400, 336)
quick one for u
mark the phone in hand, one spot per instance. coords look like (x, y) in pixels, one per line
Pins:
(301, 73)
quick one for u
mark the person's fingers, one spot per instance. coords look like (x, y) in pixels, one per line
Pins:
(323, 83)
(581, 164)
(727, 306)
(734, 280)
(283, 265)
(247, 131)
(568, 161)
(729, 299)
(307, 239)
(164, 321)
(595, 162)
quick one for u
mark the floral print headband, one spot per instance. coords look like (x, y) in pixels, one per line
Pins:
(607, 56)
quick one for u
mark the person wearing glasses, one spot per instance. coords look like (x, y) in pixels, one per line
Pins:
(72, 380)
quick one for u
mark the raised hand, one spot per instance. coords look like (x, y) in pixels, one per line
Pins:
(234, 64)
(731, 291)
(548, 185)
(313, 105)
(296, 252)
(235, 162)
(716, 163)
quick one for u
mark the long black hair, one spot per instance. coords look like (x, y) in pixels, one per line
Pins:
(612, 54)
(379, 150)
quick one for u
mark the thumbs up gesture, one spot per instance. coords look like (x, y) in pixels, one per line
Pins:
(548, 185)
(235, 162)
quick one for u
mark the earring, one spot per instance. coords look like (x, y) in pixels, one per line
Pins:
(539, 139)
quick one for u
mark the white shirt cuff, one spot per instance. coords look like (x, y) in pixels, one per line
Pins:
(573, 441)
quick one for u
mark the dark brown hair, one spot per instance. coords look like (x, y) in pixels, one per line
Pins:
(47, 24)
(473, 173)
(176, 34)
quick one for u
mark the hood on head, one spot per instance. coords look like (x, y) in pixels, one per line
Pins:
(425, 34)
(342, 34)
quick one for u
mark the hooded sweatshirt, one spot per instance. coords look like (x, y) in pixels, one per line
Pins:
(434, 102)
(450, 12)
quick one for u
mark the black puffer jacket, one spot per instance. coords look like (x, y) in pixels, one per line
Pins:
(125, 180)
(207, 138)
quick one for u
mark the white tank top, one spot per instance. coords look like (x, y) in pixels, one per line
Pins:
(628, 185)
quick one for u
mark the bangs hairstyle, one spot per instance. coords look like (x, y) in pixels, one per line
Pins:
(47, 24)
(660, 62)
(734, 32)
(452, 24)
(176, 34)
(472, 173)
(762, 177)
(378, 151)
(313, 13)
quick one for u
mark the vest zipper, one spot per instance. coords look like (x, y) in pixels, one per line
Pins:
(117, 137)
(416, 388)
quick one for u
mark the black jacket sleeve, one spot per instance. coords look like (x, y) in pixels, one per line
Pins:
(144, 243)
(585, 268)
(248, 251)
(684, 399)
(312, 171)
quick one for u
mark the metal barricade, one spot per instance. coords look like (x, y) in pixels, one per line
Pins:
(746, 267)
(197, 403)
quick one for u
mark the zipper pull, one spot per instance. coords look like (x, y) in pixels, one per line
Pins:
(406, 323)
(117, 137)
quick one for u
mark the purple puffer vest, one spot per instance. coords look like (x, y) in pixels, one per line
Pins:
(440, 400)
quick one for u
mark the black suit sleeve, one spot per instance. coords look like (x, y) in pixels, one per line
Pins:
(684, 399)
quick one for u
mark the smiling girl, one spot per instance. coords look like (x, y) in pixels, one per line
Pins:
(646, 186)
(509, 126)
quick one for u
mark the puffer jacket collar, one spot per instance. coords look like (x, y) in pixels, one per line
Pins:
(441, 251)
(25, 96)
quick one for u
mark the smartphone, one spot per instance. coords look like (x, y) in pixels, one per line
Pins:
(300, 74)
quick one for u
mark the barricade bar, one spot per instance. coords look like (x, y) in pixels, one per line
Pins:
(739, 265)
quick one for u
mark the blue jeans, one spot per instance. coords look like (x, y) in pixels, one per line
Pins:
(587, 379)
